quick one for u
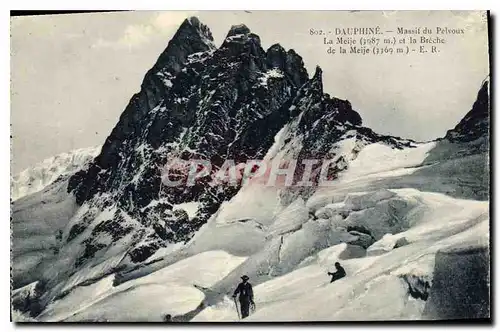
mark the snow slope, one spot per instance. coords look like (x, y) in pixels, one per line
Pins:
(96, 241)
(386, 239)
(378, 284)
(170, 290)
(35, 229)
(36, 178)
(375, 288)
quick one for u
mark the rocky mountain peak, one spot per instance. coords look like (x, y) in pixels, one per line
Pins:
(237, 103)
(238, 29)
(193, 28)
(317, 79)
(475, 124)
(318, 73)
(191, 37)
(276, 56)
(287, 61)
(240, 36)
(199, 102)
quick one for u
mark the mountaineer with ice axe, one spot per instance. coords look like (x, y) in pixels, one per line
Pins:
(246, 297)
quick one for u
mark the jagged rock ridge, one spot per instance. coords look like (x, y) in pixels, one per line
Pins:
(203, 102)
(200, 102)
(196, 102)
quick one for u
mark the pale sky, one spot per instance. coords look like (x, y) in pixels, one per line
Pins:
(73, 75)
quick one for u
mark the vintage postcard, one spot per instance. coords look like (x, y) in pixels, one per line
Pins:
(250, 166)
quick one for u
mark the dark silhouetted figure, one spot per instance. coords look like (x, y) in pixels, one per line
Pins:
(27, 302)
(168, 318)
(246, 296)
(339, 274)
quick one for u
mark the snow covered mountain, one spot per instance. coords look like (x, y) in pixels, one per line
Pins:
(44, 173)
(96, 245)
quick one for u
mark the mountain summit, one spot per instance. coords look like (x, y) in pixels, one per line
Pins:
(198, 102)
(214, 104)
(117, 216)
(476, 122)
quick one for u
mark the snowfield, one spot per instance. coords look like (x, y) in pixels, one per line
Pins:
(385, 238)
(170, 290)
(117, 233)
(35, 228)
(376, 286)
(44, 173)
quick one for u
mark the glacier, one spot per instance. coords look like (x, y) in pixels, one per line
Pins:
(98, 238)
(376, 286)
(33, 179)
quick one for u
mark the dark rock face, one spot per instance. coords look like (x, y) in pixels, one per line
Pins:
(476, 123)
(197, 102)
(208, 103)
(214, 104)
(288, 62)
(418, 287)
(461, 285)
(318, 122)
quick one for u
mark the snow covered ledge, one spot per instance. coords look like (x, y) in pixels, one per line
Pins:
(460, 288)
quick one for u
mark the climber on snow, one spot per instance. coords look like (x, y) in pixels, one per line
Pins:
(246, 296)
(339, 274)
